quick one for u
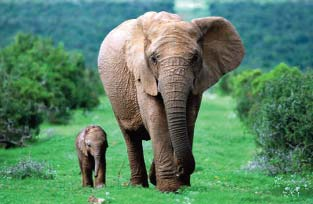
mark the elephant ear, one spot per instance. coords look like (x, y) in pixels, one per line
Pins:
(222, 50)
(136, 59)
(81, 142)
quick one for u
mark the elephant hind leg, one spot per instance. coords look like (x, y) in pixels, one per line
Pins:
(135, 155)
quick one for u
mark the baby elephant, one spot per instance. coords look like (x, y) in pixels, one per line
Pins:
(91, 145)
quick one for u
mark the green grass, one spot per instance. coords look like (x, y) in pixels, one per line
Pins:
(221, 148)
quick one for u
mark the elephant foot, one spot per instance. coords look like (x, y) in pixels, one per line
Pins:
(139, 181)
(169, 185)
(99, 185)
(185, 180)
(87, 183)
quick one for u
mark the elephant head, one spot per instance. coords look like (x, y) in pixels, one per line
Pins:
(92, 141)
(174, 59)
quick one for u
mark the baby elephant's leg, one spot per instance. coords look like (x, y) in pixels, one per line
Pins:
(86, 171)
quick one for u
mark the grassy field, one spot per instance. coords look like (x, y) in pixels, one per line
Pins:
(222, 148)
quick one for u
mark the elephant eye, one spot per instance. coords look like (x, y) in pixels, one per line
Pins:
(194, 58)
(88, 144)
(154, 58)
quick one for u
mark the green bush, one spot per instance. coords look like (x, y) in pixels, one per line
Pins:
(278, 71)
(29, 168)
(243, 86)
(278, 107)
(40, 81)
(247, 85)
(283, 122)
(225, 86)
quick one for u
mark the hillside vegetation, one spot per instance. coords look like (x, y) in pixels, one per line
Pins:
(80, 26)
(272, 33)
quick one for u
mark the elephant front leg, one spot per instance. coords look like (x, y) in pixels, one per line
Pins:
(86, 171)
(165, 168)
(136, 158)
(163, 171)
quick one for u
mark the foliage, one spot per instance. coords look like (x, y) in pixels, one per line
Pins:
(247, 85)
(80, 25)
(282, 119)
(277, 106)
(40, 81)
(225, 86)
(243, 91)
(278, 71)
(272, 32)
(26, 168)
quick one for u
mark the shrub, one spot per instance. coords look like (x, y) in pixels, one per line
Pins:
(283, 122)
(243, 94)
(248, 84)
(278, 107)
(226, 86)
(40, 81)
(29, 168)
(278, 71)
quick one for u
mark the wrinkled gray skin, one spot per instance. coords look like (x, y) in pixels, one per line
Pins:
(91, 144)
(154, 70)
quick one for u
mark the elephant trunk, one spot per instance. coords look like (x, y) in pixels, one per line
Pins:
(97, 164)
(175, 88)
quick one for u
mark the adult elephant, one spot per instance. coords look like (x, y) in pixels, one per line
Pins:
(154, 70)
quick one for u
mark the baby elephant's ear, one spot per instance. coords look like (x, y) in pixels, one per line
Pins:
(222, 50)
(81, 142)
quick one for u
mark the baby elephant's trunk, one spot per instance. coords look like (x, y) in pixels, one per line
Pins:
(97, 162)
